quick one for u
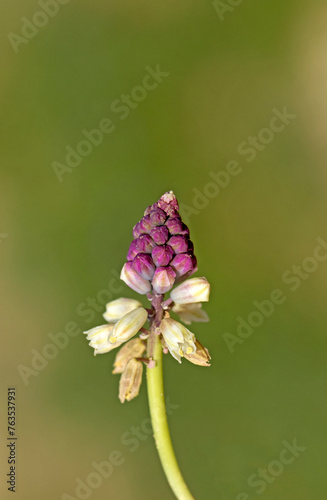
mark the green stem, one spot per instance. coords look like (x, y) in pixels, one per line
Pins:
(160, 424)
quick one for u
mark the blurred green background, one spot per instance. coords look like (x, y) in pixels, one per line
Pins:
(62, 242)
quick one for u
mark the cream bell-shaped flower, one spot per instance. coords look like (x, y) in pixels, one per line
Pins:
(116, 309)
(98, 338)
(191, 312)
(128, 325)
(178, 338)
(191, 291)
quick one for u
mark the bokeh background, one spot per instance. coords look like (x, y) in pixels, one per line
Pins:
(62, 242)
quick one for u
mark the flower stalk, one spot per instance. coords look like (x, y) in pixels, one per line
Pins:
(158, 415)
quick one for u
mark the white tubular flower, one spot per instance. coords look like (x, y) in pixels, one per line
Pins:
(98, 338)
(116, 309)
(192, 290)
(178, 338)
(128, 325)
(191, 312)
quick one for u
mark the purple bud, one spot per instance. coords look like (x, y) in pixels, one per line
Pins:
(162, 255)
(143, 265)
(132, 251)
(163, 279)
(157, 217)
(150, 208)
(160, 234)
(142, 227)
(181, 278)
(133, 280)
(136, 230)
(145, 224)
(144, 244)
(174, 225)
(168, 203)
(147, 210)
(178, 243)
(171, 212)
(182, 264)
(185, 230)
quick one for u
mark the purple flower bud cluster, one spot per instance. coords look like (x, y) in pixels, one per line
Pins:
(161, 253)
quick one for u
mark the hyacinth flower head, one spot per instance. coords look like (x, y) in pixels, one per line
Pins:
(161, 253)
(159, 261)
